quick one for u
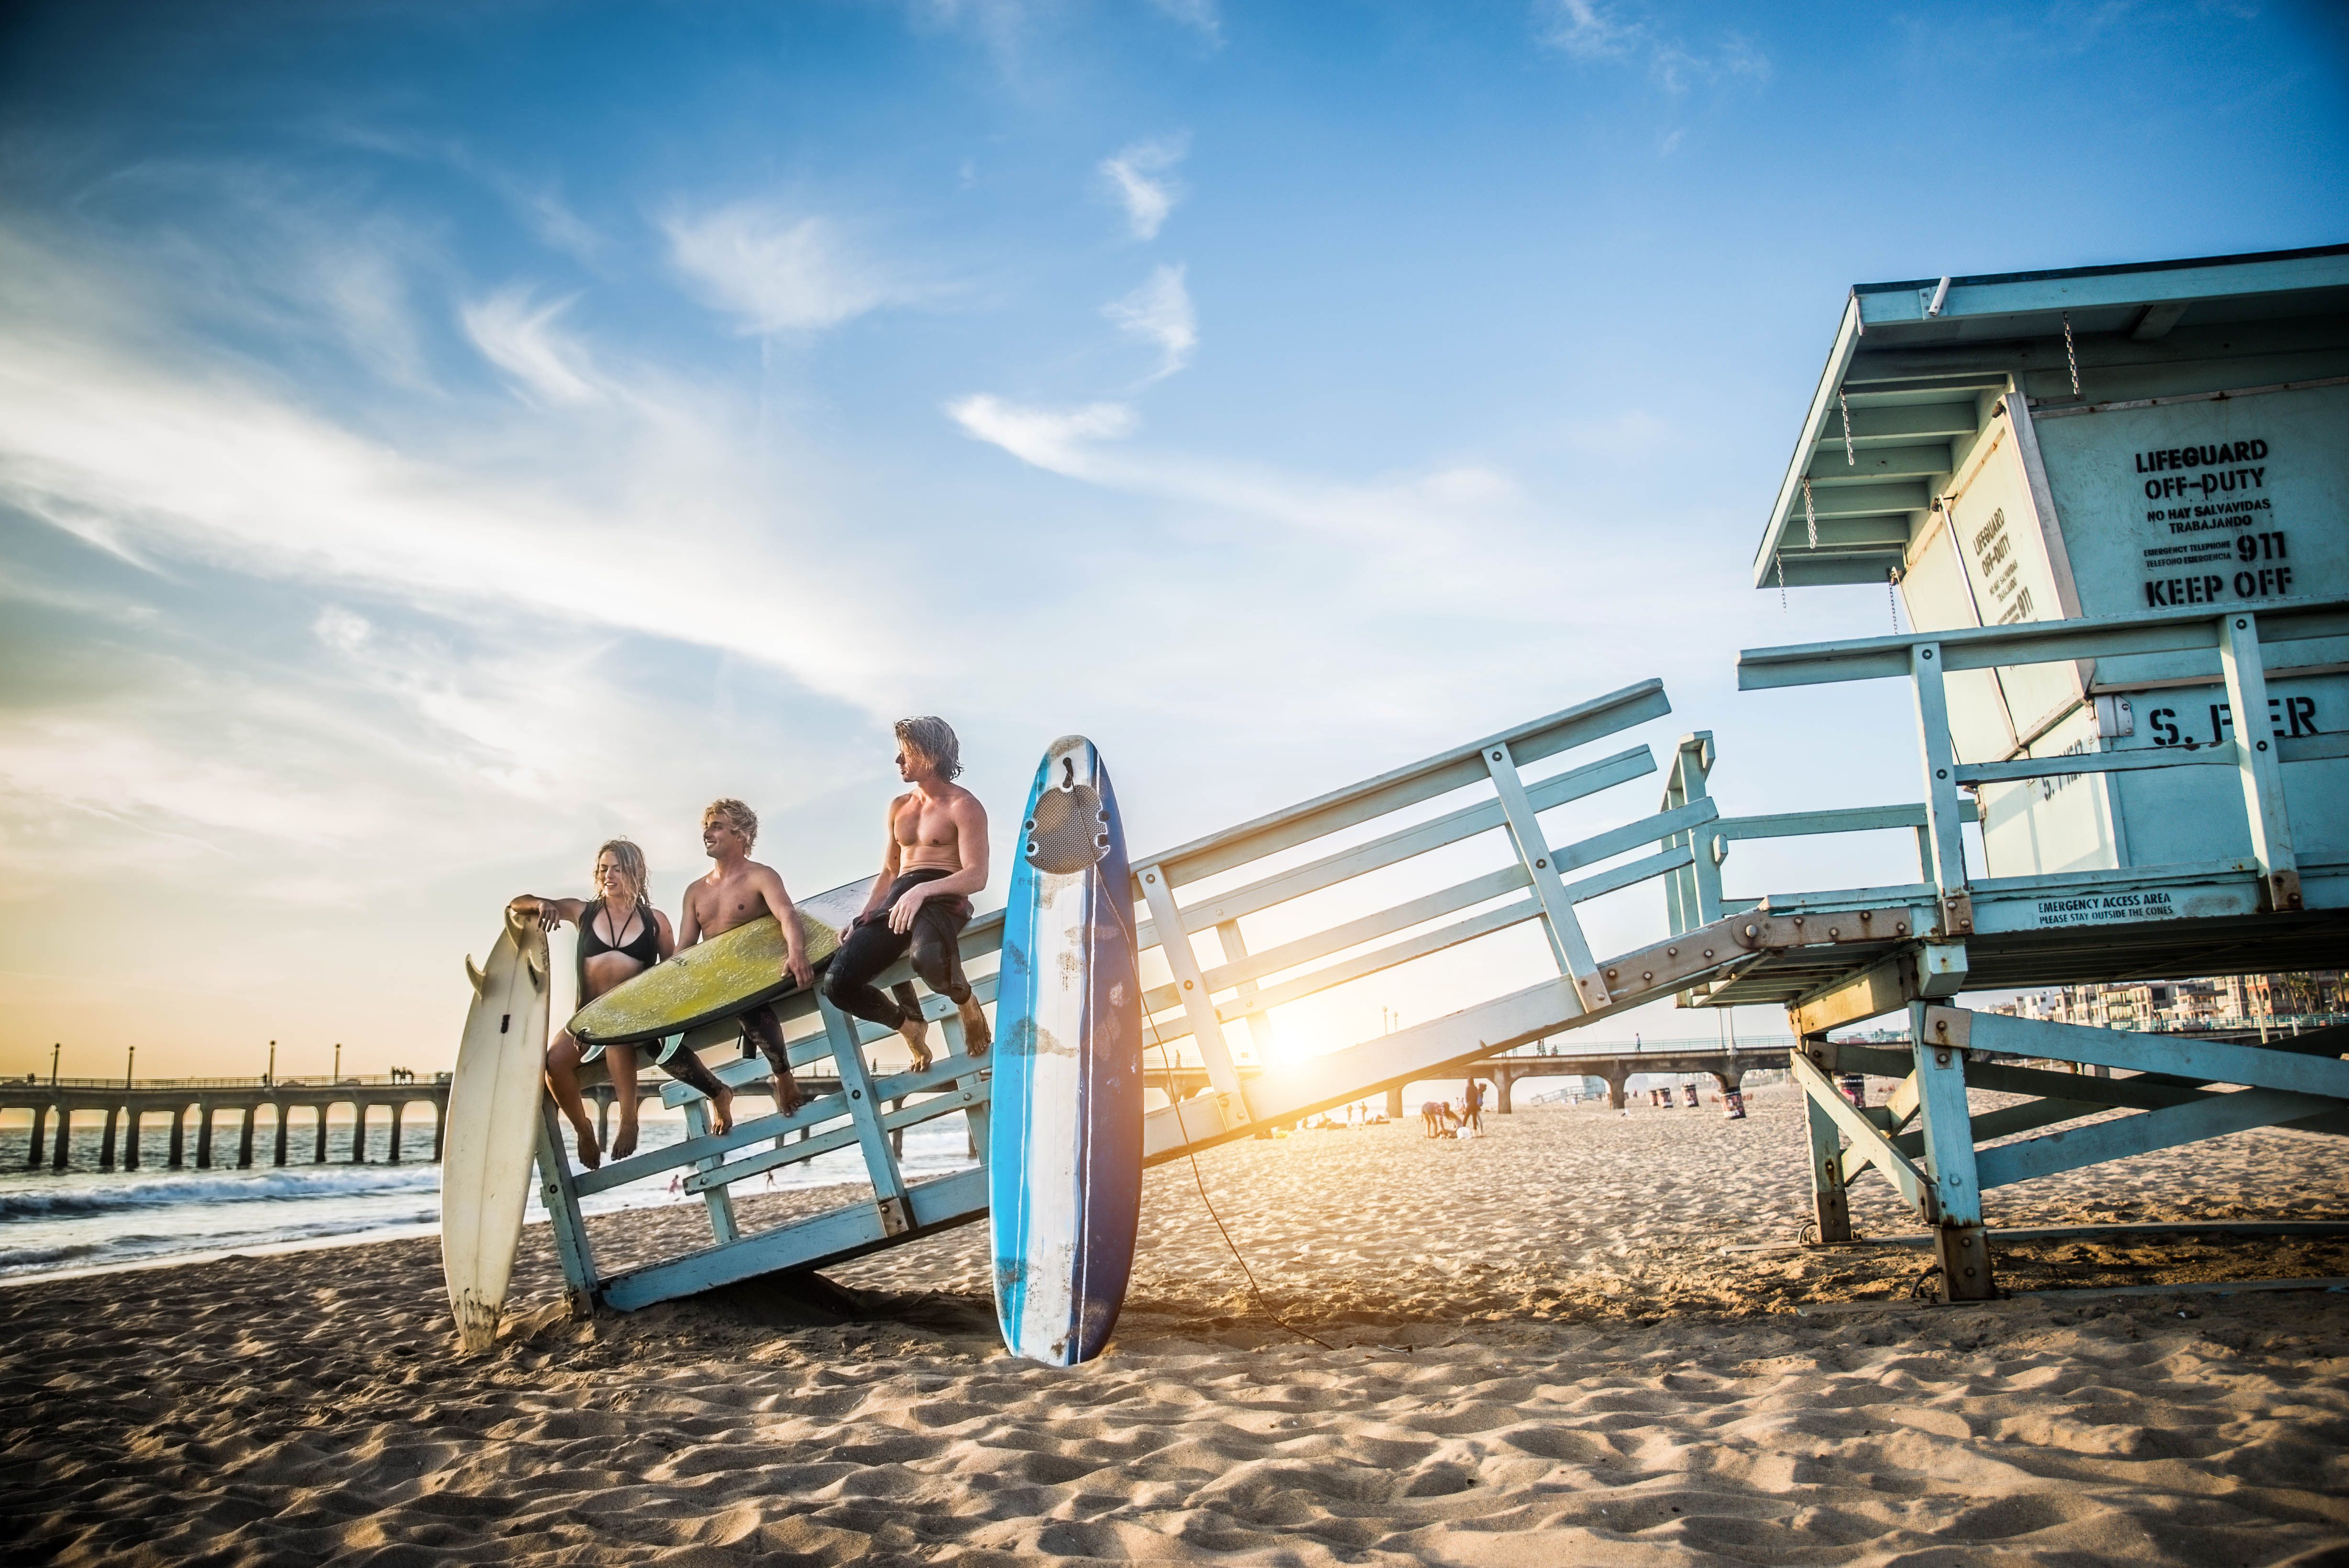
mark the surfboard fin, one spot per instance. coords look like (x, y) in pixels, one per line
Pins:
(473, 972)
(536, 964)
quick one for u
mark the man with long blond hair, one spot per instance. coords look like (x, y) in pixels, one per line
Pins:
(935, 859)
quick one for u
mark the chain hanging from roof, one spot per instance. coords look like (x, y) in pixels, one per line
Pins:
(1891, 583)
(2071, 354)
(1849, 459)
(1810, 517)
(1782, 580)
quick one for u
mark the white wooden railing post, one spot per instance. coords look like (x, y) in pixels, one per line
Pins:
(2260, 768)
(1199, 1005)
(1567, 943)
(1948, 869)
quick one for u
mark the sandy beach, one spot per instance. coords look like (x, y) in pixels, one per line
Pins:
(1537, 1352)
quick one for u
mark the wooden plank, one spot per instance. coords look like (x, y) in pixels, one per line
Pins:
(969, 1095)
(834, 1237)
(2207, 1116)
(1949, 869)
(1429, 942)
(2207, 1060)
(717, 1199)
(1199, 1002)
(561, 1200)
(1927, 968)
(1415, 782)
(1863, 1133)
(1560, 923)
(2097, 763)
(1949, 1163)
(865, 1111)
(1403, 844)
(2261, 769)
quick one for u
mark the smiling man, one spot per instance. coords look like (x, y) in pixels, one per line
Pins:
(935, 859)
(737, 890)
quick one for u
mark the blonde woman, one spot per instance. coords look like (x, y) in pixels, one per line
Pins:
(621, 935)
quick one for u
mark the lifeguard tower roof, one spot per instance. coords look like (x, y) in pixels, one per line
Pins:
(1919, 366)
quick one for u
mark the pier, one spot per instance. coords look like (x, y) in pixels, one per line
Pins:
(206, 1112)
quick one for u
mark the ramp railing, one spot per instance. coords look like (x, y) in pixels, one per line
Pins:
(1320, 880)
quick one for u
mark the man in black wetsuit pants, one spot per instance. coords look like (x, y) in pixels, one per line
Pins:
(935, 859)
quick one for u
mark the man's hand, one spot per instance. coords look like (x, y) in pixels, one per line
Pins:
(909, 905)
(795, 964)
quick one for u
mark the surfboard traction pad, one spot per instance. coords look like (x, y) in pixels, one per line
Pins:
(722, 977)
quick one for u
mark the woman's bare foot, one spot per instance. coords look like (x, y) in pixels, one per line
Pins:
(916, 1031)
(788, 1098)
(590, 1156)
(624, 1142)
(976, 1035)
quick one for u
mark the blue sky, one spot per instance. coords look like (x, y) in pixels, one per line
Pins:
(432, 438)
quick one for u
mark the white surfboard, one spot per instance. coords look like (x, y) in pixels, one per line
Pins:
(492, 1135)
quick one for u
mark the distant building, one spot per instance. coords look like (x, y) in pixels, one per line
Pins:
(2310, 997)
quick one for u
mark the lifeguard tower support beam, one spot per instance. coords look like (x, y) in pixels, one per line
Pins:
(2115, 503)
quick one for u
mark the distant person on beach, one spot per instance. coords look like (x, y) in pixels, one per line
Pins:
(933, 860)
(621, 935)
(1472, 1105)
(1437, 1115)
(735, 891)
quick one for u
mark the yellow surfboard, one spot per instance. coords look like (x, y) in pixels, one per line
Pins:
(717, 978)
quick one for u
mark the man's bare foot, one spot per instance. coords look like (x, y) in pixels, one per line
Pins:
(976, 1035)
(916, 1031)
(624, 1142)
(590, 1156)
(788, 1098)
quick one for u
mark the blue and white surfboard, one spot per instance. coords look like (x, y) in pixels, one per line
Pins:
(1064, 1139)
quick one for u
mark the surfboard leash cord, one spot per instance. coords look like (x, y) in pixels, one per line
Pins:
(1199, 1181)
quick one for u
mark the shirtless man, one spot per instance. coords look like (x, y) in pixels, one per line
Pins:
(935, 859)
(738, 890)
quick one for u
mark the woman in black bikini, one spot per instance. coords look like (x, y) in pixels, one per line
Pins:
(621, 935)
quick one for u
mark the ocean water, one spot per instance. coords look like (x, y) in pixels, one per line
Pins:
(85, 1219)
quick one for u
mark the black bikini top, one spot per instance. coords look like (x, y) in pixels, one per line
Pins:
(645, 948)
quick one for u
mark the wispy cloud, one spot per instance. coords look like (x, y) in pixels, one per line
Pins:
(1160, 314)
(1086, 443)
(781, 271)
(1139, 177)
(522, 336)
(1594, 30)
(1201, 15)
(1583, 28)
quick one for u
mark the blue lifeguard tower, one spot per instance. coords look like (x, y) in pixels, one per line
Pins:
(2115, 501)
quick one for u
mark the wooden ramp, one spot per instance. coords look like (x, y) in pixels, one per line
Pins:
(1363, 845)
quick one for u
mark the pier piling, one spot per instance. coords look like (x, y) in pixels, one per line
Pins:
(127, 1106)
